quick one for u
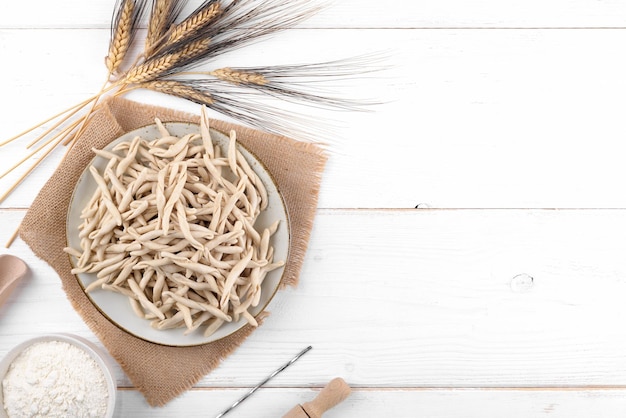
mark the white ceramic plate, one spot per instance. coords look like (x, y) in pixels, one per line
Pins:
(116, 307)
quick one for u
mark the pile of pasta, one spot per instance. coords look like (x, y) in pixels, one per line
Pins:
(171, 226)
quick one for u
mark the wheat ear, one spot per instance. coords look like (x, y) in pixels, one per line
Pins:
(157, 24)
(193, 23)
(178, 89)
(165, 63)
(121, 39)
(238, 76)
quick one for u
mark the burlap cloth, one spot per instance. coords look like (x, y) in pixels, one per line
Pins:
(161, 372)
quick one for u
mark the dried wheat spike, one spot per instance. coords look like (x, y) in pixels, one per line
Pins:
(190, 25)
(178, 89)
(166, 63)
(121, 39)
(157, 24)
(151, 69)
(239, 77)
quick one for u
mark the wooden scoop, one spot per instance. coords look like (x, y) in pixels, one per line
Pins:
(12, 270)
(335, 391)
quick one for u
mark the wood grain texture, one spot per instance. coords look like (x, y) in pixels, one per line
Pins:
(421, 298)
(503, 299)
(471, 119)
(362, 13)
(397, 403)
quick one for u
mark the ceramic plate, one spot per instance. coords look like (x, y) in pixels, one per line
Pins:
(116, 307)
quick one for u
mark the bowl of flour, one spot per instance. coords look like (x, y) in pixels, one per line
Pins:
(57, 375)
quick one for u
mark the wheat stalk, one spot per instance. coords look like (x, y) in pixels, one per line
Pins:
(83, 119)
(54, 142)
(76, 108)
(123, 30)
(53, 127)
(12, 238)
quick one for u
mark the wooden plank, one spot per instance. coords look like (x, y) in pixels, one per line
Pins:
(397, 403)
(420, 298)
(358, 14)
(472, 119)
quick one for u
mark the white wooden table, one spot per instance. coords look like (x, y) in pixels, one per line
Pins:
(502, 294)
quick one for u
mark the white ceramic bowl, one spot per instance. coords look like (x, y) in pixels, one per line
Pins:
(90, 349)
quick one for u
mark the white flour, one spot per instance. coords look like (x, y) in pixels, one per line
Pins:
(54, 379)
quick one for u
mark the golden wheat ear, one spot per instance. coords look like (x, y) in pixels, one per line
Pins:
(164, 14)
(124, 27)
(199, 19)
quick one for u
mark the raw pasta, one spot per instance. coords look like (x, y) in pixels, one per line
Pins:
(171, 226)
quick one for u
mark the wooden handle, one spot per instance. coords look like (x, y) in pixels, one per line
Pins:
(333, 393)
(296, 412)
(12, 269)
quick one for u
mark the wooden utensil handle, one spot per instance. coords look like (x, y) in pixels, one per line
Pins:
(332, 394)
